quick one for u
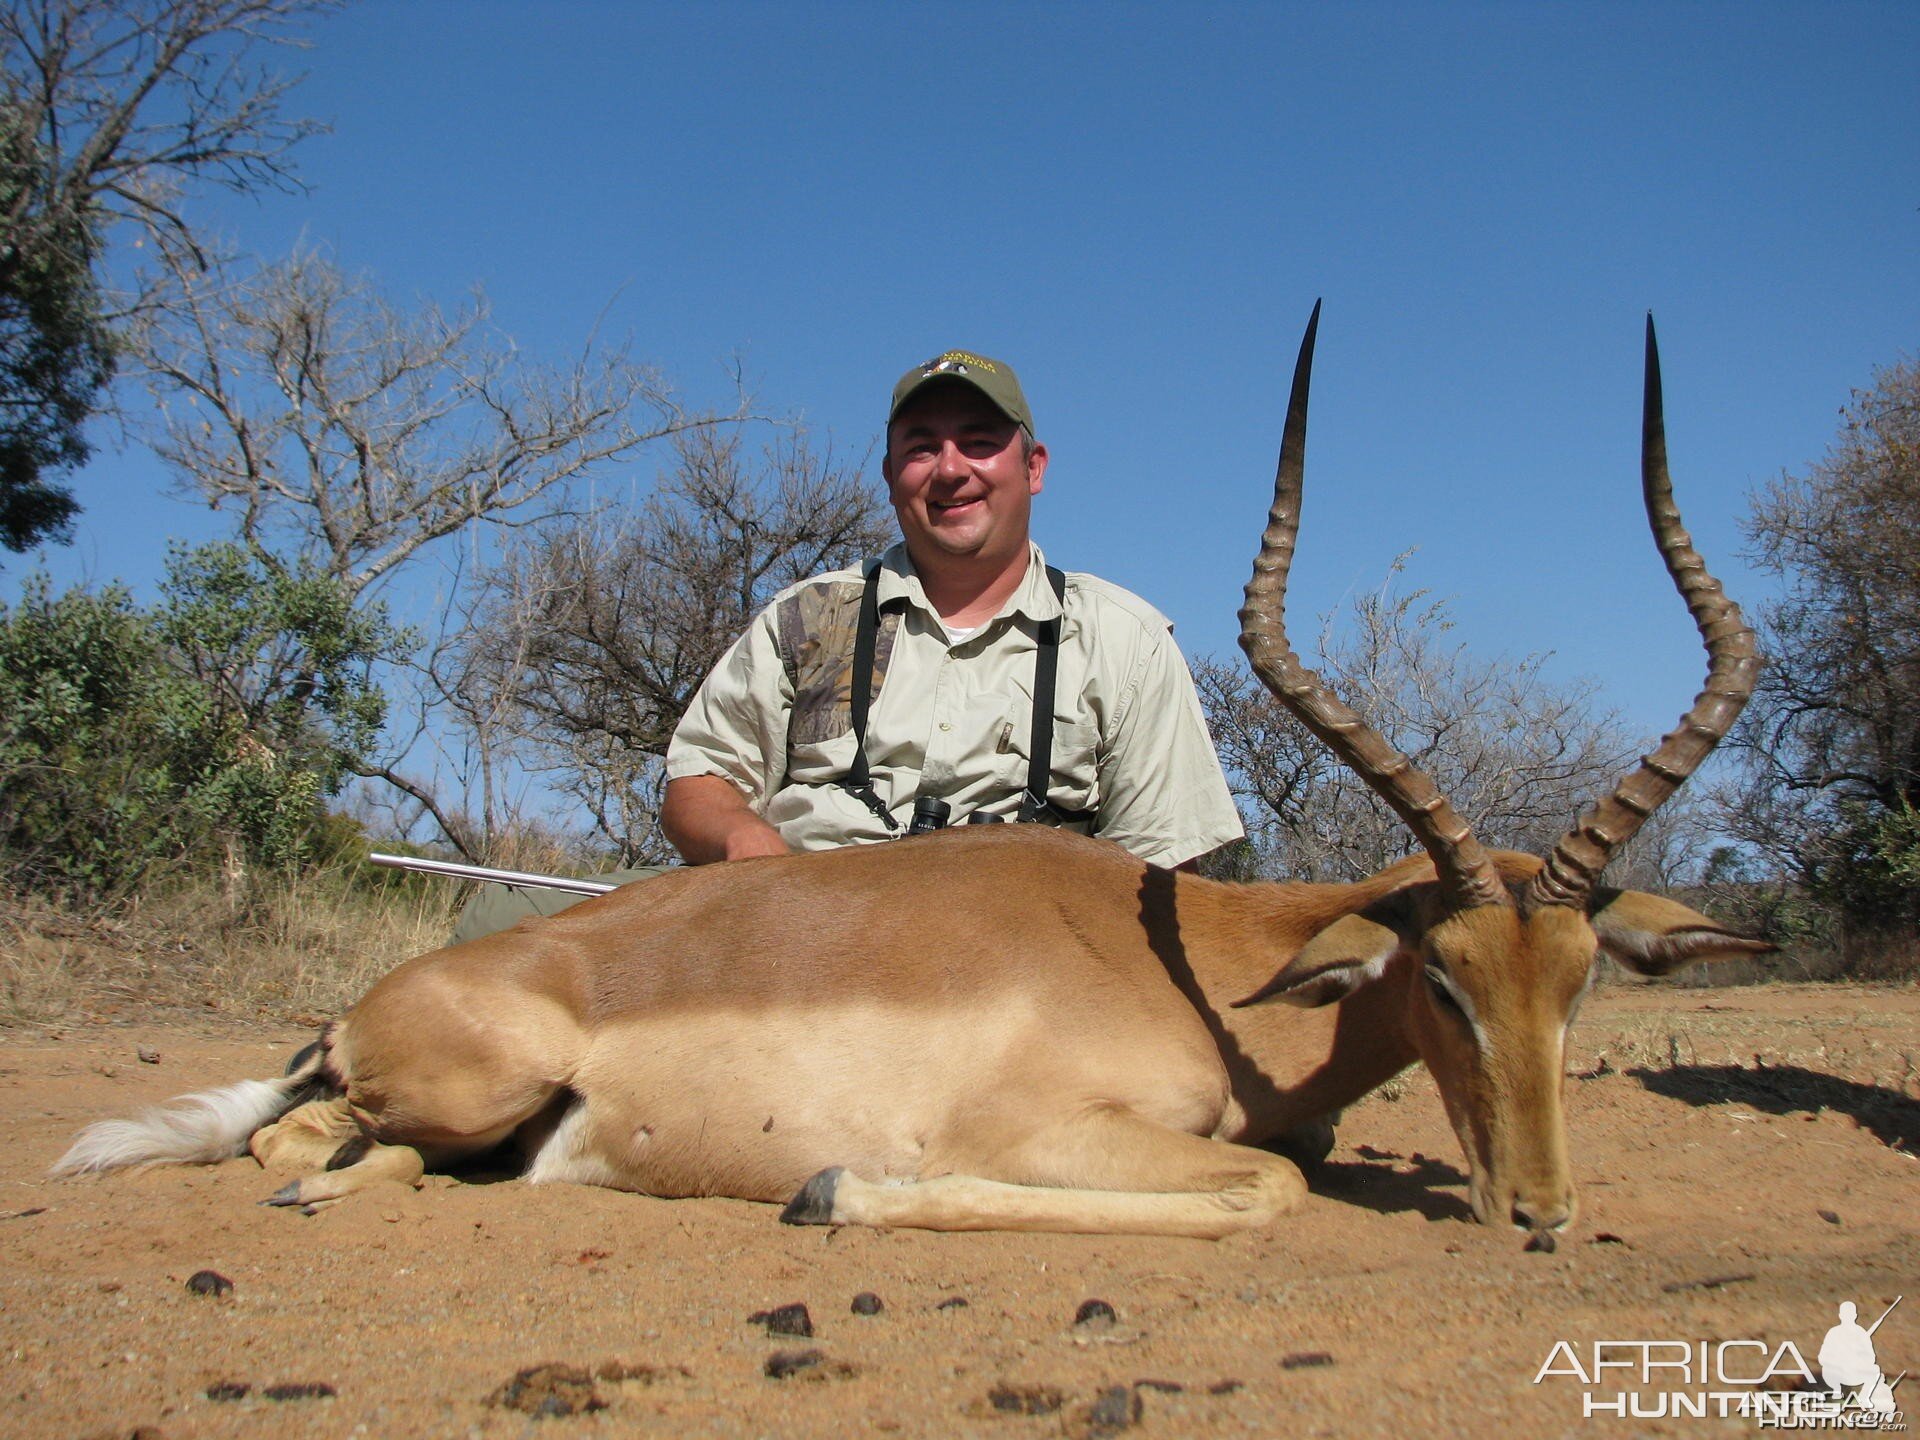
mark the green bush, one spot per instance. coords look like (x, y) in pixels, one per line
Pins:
(206, 731)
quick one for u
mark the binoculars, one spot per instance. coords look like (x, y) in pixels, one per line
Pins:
(930, 814)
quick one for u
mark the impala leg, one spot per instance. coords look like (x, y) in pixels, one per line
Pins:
(324, 1136)
(438, 1069)
(1110, 1172)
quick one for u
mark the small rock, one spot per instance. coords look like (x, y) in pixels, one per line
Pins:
(228, 1390)
(783, 1363)
(1829, 1216)
(785, 1320)
(1095, 1316)
(1224, 1387)
(148, 1055)
(1165, 1387)
(1711, 1282)
(1607, 1237)
(1025, 1399)
(300, 1390)
(952, 1302)
(547, 1391)
(867, 1303)
(1305, 1360)
(209, 1282)
(1541, 1242)
(1118, 1408)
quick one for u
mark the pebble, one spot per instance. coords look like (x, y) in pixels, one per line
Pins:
(1541, 1242)
(785, 1320)
(148, 1055)
(783, 1363)
(1829, 1216)
(1305, 1360)
(546, 1391)
(1025, 1399)
(1095, 1315)
(1118, 1408)
(300, 1390)
(228, 1390)
(867, 1303)
(952, 1302)
(209, 1282)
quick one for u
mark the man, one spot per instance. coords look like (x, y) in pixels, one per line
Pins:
(766, 760)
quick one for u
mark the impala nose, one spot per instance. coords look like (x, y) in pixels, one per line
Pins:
(1540, 1217)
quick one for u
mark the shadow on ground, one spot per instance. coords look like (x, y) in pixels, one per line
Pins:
(1783, 1089)
(1378, 1182)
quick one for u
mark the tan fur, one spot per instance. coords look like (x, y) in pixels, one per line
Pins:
(987, 1028)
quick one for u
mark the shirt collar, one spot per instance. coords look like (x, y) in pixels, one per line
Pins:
(1033, 598)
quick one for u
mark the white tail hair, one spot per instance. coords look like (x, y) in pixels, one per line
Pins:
(189, 1129)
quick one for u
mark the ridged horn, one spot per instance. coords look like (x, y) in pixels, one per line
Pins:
(1465, 870)
(1733, 665)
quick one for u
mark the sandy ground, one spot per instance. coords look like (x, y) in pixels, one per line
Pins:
(1722, 1199)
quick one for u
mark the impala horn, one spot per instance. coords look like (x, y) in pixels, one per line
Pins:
(1733, 665)
(1466, 872)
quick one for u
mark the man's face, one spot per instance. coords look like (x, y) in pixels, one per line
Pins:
(959, 477)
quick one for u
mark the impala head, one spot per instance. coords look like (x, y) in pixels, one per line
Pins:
(1493, 952)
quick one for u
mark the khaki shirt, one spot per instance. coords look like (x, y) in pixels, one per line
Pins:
(953, 717)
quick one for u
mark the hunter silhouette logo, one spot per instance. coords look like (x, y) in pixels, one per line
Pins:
(1769, 1383)
(1848, 1366)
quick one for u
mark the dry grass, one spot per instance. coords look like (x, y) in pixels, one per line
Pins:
(271, 947)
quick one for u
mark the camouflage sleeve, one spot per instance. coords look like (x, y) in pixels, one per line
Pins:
(736, 726)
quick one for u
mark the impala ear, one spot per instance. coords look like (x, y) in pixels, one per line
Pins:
(1351, 952)
(1652, 935)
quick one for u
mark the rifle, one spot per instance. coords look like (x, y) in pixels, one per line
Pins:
(1883, 1319)
(458, 871)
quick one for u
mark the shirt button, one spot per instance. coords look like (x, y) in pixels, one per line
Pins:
(945, 726)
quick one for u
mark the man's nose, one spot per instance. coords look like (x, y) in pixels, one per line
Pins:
(951, 464)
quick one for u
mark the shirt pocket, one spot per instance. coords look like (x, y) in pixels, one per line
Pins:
(1074, 782)
(822, 760)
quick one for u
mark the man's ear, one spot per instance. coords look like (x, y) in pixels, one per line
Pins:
(1036, 467)
(1351, 952)
(1652, 935)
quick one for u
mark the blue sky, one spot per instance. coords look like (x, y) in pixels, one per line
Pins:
(1138, 205)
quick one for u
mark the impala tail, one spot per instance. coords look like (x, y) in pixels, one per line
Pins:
(198, 1129)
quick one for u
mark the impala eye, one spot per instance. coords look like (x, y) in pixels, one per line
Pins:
(1443, 992)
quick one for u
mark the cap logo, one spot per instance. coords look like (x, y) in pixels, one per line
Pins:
(956, 362)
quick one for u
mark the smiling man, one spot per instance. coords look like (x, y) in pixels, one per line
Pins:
(967, 624)
(958, 628)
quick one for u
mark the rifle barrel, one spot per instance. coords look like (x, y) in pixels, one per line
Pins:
(458, 871)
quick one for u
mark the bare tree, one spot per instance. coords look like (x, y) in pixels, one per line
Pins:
(132, 101)
(110, 112)
(1518, 755)
(1830, 784)
(350, 436)
(588, 640)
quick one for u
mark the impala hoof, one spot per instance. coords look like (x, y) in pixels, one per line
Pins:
(814, 1204)
(287, 1194)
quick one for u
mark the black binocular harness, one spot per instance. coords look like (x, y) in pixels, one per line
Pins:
(1034, 805)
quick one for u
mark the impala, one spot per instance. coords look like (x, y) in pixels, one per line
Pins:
(1010, 1027)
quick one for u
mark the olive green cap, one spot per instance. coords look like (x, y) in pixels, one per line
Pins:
(992, 378)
